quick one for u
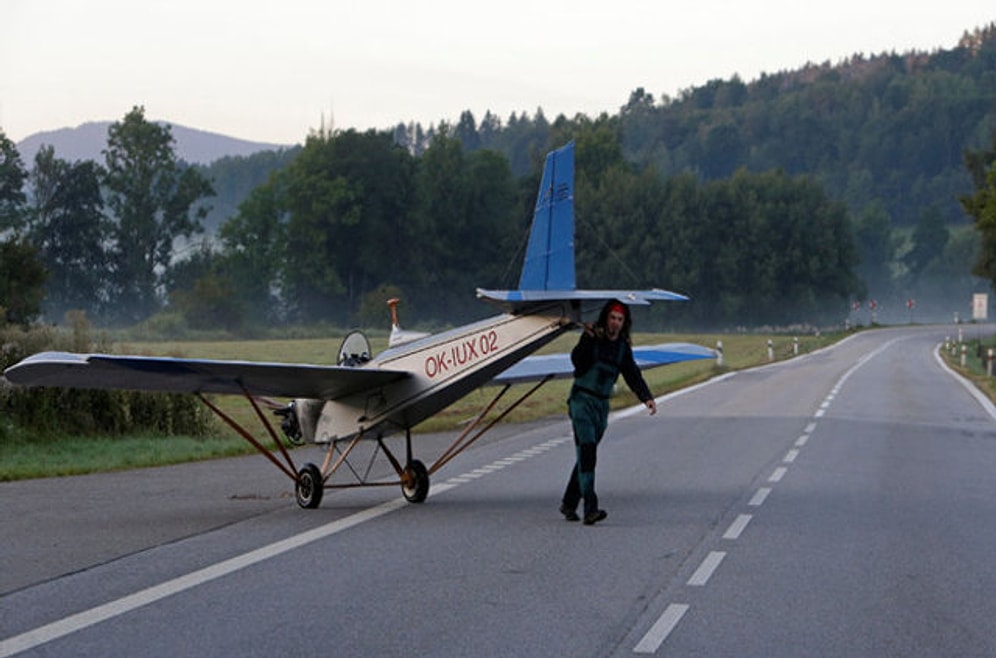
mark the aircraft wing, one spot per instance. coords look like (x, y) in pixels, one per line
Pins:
(174, 375)
(559, 366)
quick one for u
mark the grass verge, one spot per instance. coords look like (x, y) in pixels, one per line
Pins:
(24, 457)
(975, 369)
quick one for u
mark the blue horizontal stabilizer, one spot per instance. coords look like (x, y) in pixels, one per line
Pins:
(519, 299)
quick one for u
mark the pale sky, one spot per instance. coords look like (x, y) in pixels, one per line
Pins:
(270, 71)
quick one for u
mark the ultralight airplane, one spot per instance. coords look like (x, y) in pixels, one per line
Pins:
(367, 397)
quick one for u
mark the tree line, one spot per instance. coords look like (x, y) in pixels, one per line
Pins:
(889, 128)
(355, 218)
(884, 134)
(96, 236)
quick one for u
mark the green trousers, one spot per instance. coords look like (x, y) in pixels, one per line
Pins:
(589, 418)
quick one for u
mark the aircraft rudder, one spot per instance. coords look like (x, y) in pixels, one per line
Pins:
(549, 261)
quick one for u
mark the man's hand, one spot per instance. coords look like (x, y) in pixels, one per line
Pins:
(652, 405)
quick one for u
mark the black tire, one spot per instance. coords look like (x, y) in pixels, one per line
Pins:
(418, 476)
(309, 487)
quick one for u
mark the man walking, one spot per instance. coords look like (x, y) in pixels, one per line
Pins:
(603, 353)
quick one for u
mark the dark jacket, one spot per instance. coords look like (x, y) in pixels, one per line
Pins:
(617, 353)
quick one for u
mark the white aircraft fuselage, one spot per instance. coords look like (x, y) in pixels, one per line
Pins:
(444, 367)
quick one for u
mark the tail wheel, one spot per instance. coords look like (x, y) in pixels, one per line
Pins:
(415, 482)
(309, 487)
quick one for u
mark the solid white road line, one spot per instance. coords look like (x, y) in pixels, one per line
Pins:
(87, 618)
(655, 637)
(979, 396)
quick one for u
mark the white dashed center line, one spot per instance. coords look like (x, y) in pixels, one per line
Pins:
(706, 569)
(661, 629)
(737, 527)
(759, 497)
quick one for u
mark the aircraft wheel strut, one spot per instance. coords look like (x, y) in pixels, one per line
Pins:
(415, 482)
(309, 487)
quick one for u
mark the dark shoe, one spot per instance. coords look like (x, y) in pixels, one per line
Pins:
(569, 514)
(594, 517)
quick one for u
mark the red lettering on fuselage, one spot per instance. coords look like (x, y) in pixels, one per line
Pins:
(436, 364)
(469, 351)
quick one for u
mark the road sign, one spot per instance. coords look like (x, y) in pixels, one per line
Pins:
(980, 306)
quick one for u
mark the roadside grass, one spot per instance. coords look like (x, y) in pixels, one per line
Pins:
(23, 458)
(975, 368)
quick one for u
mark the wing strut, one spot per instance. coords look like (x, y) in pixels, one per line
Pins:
(343, 458)
(288, 468)
(462, 442)
(413, 476)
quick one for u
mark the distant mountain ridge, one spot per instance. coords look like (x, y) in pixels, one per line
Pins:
(87, 141)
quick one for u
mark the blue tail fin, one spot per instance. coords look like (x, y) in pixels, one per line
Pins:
(548, 271)
(549, 263)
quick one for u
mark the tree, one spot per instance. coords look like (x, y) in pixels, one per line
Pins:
(466, 131)
(490, 130)
(982, 208)
(721, 150)
(930, 237)
(211, 303)
(69, 229)
(254, 245)
(22, 280)
(347, 197)
(944, 284)
(21, 273)
(876, 247)
(12, 176)
(235, 177)
(152, 198)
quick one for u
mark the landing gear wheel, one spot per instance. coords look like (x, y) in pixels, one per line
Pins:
(309, 487)
(415, 482)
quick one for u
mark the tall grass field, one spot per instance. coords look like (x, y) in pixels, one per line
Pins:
(22, 457)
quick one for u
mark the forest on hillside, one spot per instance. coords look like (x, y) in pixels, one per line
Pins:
(780, 201)
(890, 128)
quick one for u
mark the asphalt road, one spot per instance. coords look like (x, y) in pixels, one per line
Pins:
(839, 504)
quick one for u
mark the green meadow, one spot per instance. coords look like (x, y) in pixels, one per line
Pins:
(21, 459)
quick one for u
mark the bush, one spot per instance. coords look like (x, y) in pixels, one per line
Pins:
(55, 412)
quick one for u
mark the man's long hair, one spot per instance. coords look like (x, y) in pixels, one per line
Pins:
(603, 319)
